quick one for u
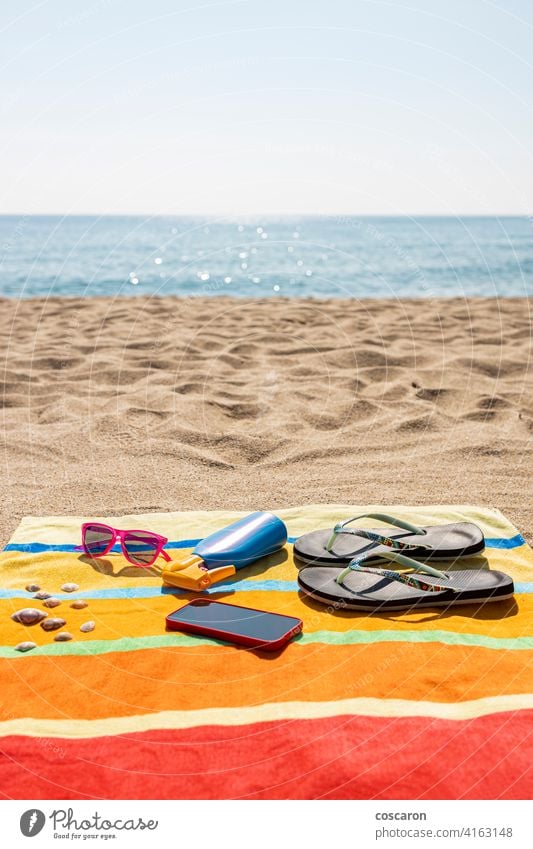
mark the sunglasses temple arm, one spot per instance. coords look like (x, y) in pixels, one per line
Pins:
(164, 554)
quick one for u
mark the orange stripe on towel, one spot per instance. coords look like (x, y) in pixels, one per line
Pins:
(143, 617)
(120, 684)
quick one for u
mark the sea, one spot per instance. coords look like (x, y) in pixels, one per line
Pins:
(299, 256)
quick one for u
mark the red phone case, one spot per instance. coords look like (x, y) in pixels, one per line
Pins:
(239, 639)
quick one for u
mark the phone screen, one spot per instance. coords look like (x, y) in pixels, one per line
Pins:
(233, 620)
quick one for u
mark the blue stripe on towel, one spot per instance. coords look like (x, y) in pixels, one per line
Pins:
(152, 592)
(223, 586)
(490, 542)
(37, 547)
(502, 542)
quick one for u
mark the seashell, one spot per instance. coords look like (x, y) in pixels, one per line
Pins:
(33, 588)
(51, 602)
(63, 637)
(88, 626)
(53, 624)
(69, 588)
(42, 596)
(79, 604)
(27, 646)
(29, 616)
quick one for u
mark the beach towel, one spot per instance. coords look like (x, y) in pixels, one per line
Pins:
(434, 704)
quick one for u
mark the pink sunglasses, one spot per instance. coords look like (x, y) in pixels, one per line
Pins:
(142, 548)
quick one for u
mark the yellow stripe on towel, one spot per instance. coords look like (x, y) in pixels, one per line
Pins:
(286, 711)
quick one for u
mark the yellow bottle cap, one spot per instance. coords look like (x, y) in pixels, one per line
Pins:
(190, 573)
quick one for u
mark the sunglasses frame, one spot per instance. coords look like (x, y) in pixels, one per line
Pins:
(117, 534)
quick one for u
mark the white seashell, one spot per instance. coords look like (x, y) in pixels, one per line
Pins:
(69, 588)
(42, 596)
(63, 637)
(33, 588)
(79, 604)
(88, 626)
(51, 602)
(29, 616)
(53, 624)
(27, 646)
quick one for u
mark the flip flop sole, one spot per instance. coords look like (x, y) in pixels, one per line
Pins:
(448, 542)
(374, 594)
(398, 607)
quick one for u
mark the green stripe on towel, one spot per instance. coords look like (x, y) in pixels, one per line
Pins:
(338, 638)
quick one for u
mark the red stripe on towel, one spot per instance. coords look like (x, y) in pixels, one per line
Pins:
(356, 757)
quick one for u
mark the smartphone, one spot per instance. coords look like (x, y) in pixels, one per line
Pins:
(245, 626)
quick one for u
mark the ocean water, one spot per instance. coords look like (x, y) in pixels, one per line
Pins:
(322, 257)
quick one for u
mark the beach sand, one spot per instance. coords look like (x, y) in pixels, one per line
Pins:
(142, 404)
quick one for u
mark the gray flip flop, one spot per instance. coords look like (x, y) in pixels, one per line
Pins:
(360, 586)
(339, 545)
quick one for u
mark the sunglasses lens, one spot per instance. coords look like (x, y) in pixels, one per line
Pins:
(141, 548)
(96, 539)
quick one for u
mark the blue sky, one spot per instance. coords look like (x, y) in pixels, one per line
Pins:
(360, 107)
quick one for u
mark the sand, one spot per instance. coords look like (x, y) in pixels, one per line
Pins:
(115, 406)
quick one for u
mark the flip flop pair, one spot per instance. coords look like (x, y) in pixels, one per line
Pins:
(339, 566)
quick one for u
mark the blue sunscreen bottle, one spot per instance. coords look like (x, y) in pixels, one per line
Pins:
(219, 555)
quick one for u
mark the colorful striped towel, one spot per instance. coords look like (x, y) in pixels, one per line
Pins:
(434, 704)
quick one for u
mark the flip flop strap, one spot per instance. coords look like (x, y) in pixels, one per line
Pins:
(358, 565)
(340, 528)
